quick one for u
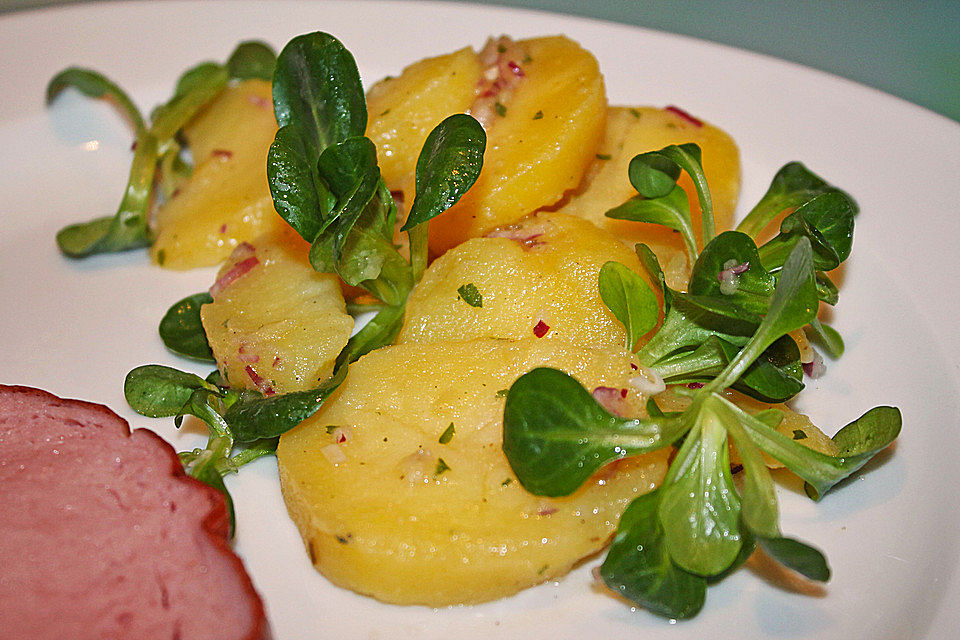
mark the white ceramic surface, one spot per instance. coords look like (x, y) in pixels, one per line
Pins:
(76, 327)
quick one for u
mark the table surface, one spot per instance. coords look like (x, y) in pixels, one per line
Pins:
(908, 49)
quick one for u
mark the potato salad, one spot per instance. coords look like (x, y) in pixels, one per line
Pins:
(489, 324)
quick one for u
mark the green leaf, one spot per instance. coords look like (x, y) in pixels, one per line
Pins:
(826, 221)
(252, 60)
(271, 416)
(195, 89)
(299, 195)
(859, 442)
(448, 165)
(638, 566)
(630, 299)
(798, 556)
(157, 391)
(317, 89)
(699, 508)
(471, 295)
(653, 174)
(182, 331)
(95, 85)
(754, 286)
(127, 229)
(203, 465)
(556, 435)
(793, 305)
(827, 337)
(759, 508)
(671, 210)
(793, 185)
(649, 261)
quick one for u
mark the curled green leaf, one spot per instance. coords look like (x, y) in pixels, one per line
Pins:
(182, 330)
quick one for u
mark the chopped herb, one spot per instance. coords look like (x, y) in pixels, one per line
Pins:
(501, 48)
(798, 434)
(447, 435)
(527, 59)
(500, 109)
(331, 428)
(161, 256)
(603, 156)
(506, 482)
(538, 115)
(635, 113)
(470, 295)
(543, 569)
(503, 393)
(385, 112)
(343, 539)
(441, 467)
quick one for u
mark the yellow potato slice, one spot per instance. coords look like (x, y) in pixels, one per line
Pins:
(386, 509)
(275, 324)
(226, 201)
(545, 269)
(540, 140)
(631, 131)
(402, 111)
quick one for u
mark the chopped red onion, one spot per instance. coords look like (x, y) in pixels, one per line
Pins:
(611, 399)
(815, 368)
(238, 270)
(259, 101)
(685, 115)
(541, 329)
(260, 383)
(695, 385)
(222, 154)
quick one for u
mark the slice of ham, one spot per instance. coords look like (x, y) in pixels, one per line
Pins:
(102, 535)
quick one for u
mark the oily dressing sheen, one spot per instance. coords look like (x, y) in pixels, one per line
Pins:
(388, 510)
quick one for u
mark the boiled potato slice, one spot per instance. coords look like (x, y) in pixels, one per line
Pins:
(387, 510)
(540, 140)
(544, 269)
(404, 110)
(631, 131)
(226, 201)
(275, 324)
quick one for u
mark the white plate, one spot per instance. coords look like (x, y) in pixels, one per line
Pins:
(76, 328)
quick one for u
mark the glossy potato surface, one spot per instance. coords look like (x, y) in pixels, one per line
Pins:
(226, 201)
(403, 110)
(381, 515)
(630, 131)
(280, 325)
(538, 145)
(545, 268)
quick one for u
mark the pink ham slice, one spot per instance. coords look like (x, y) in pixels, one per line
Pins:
(102, 535)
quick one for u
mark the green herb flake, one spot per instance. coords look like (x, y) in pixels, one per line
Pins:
(538, 115)
(500, 109)
(331, 428)
(506, 482)
(542, 570)
(603, 156)
(502, 393)
(161, 257)
(798, 434)
(471, 295)
(527, 59)
(447, 435)
(441, 467)
(385, 112)
(501, 48)
(635, 113)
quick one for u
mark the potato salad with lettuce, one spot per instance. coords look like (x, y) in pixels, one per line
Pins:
(488, 324)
